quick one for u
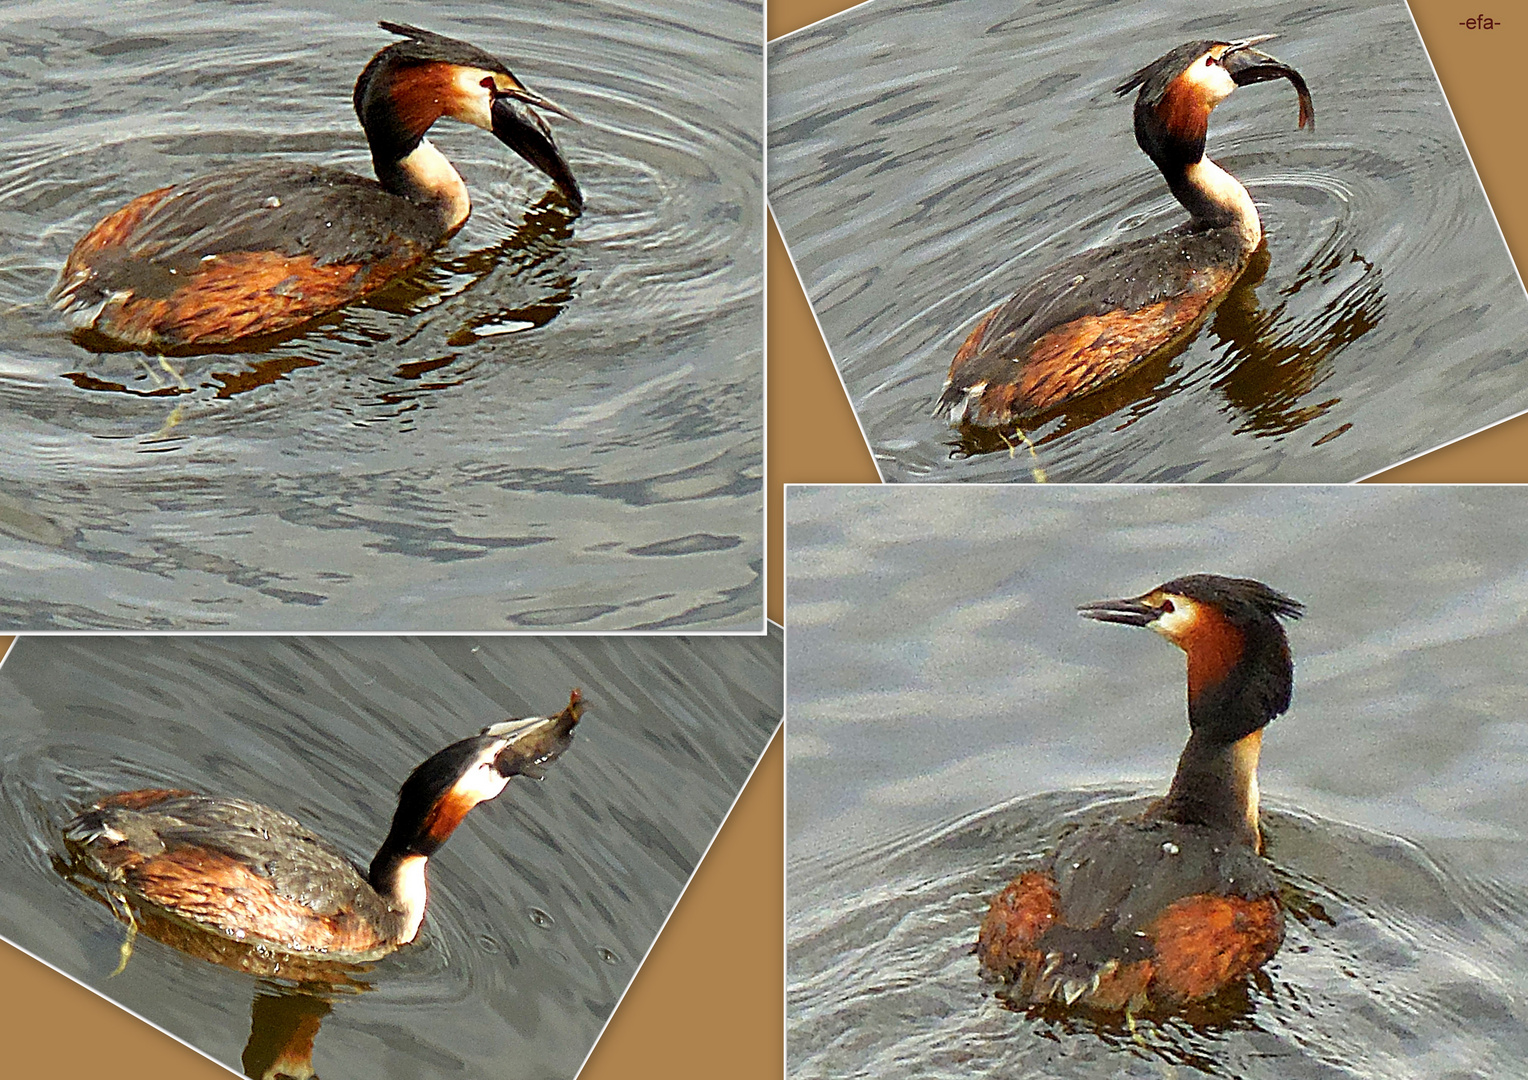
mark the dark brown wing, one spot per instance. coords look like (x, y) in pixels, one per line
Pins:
(1086, 321)
(244, 870)
(298, 865)
(239, 254)
(1132, 914)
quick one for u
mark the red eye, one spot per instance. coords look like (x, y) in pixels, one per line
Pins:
(1167, 607)
(1209, 61)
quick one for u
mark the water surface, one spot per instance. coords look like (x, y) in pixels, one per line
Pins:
(928, 159)
(556, 423)
(542, 904)
(949, 714)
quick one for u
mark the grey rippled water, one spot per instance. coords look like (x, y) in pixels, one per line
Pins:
(950, 715)
(542, 905)
(557, 423)
(927, 159)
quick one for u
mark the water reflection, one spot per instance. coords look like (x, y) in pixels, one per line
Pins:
(1279, 360)
(1268, 363)
(293, 995)
(283, 1024)
(530, 279)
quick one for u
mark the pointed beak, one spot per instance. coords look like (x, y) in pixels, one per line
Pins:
(536, 742)
(1126, 612)
(1256, 39)
(528, 135)
(530, 97)
(1247, 65)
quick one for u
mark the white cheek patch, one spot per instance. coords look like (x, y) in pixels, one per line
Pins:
(482, 781)
(1175, 624)
(1211, 82)
(474, 103)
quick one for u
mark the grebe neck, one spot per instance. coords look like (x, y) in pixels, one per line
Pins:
(425, 176)
(433, 801)
(1216, 200)
(1216, 786)
(443, 789)
(399, 879)
(1240, 678)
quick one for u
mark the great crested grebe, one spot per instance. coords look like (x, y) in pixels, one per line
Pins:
(1095, 316)
(259, 249)
(254, 874)
(1176, 905)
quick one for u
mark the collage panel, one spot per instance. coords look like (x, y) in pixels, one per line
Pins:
(1016, 847)
(984, 203)
(181, 907)
(248, 387)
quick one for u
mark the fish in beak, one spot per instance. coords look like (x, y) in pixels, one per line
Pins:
(1247, 65)
(519, 127)
(536, 742)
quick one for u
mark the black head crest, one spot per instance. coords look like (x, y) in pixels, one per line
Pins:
(427, 47)
(1154, 78)
(1243, 600)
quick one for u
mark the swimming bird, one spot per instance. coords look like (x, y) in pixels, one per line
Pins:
(261, 249)
(1096, 316)
(252, 873)
(1177, 904)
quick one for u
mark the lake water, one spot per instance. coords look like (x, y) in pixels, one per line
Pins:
(949, 713)
(927, 159)
(542, 905)
(556, 424)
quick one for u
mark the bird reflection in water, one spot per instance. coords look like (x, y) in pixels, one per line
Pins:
(527, 277)
(295, 992)
(283, 1025)
(1268, 364)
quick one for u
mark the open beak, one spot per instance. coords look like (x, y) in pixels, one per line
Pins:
(536, 742)
(1247, 65)
(528, 135)
(1128, 612)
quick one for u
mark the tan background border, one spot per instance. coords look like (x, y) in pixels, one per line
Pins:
(708, 1001)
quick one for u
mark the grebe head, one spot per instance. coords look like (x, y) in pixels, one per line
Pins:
(439, 793)
(412, 83)
(1179, 90)
(1240, 675)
